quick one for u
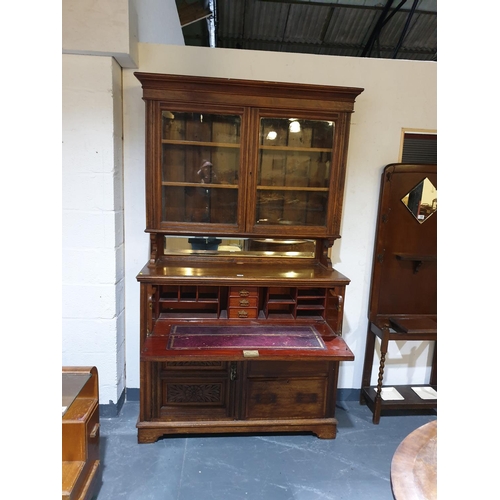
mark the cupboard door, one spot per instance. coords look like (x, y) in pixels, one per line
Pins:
(293, 173)
(200, 161)
(196, 391)
(286, 389)
(286, 398)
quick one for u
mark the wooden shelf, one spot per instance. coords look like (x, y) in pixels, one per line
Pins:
(263, 187)
(199, 185)
(202, 143)
(411, 400)
(295, 149)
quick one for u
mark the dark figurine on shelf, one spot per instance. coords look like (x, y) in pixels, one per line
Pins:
(201, 202)
(207, 173)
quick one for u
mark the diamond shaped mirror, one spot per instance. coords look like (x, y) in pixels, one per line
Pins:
(421, 201)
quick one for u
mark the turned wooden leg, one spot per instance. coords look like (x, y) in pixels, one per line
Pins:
(377, 409)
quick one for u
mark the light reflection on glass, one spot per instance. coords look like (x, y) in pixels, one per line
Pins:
(294, 127)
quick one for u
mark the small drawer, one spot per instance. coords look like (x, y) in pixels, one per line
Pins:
(243, 291)
(193, 366)
(286, 368)
(243, 301)
(242, 312)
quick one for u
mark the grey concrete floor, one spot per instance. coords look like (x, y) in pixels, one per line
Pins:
(355, 465)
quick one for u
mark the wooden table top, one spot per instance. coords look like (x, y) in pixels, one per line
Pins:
(414, 465)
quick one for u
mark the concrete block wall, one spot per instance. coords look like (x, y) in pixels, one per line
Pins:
(93, 238)
(99, 39)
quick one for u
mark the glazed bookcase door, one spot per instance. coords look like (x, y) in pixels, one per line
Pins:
(199, 181)
(297, 165)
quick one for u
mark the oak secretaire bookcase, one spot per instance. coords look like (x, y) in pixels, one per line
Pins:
(241, 310)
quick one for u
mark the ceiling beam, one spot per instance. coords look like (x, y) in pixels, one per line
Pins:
(405, 29)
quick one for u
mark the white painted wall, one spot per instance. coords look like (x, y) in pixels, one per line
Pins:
(93, 323)
(398, 94)
(99, 38)
(158, 22)
(103, 28)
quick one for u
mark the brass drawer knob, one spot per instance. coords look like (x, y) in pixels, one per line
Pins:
(244, 293)
(244, 303)
(242, 314)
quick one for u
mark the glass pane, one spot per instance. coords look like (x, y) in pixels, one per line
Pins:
(72, 384)
(275, 132)
(198, 204)
(201, 127)
(300, 208)
(294, 153)
(293, 169)
(200, 149)
(200, 164)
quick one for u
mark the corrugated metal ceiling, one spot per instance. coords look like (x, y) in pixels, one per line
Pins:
(392, 29)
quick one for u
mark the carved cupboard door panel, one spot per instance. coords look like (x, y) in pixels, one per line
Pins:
(196, 390)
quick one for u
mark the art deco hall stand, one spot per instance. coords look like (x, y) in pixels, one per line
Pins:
(403, 298)
(241, 310)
